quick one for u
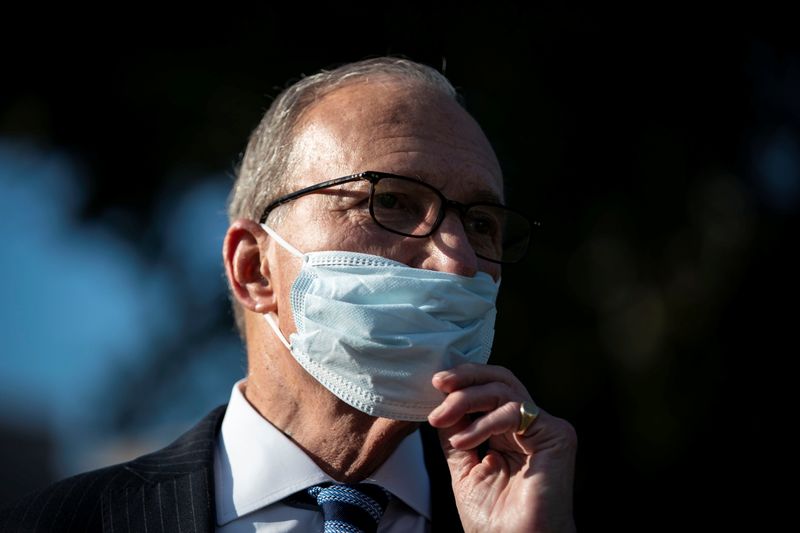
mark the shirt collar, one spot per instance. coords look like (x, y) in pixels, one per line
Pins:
(267, 466)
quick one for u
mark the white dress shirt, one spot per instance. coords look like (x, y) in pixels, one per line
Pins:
(256, 466)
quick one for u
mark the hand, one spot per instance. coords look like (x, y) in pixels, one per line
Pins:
(524, 483)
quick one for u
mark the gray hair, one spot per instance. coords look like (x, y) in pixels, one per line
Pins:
(265, 172)
(266, 169)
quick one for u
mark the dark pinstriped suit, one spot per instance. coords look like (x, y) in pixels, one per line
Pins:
(171, 490)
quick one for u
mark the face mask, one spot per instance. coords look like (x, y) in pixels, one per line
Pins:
(374, 331)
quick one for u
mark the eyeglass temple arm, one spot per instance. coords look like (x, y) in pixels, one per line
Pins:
(302, 192)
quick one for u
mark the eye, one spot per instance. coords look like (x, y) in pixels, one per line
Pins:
(482, 224)
(386, 201)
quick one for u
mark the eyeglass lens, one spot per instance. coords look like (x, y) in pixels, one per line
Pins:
(412, 208)
(405, 206)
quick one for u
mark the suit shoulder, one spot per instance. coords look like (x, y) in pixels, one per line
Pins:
(72, 504)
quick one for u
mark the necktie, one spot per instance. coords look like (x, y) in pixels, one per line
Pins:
(350, 508)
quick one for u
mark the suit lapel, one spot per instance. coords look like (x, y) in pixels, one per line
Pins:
(171, 489)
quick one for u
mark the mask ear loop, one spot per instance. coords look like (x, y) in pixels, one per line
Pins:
(270, 317)
(280, 240)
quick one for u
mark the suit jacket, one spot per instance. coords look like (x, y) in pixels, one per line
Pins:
(172, 490)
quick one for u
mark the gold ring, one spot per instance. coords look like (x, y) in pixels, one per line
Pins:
(528, 412)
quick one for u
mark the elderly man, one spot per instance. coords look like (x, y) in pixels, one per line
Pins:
(363, 256)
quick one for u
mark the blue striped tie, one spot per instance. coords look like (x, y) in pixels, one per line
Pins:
(350, 508)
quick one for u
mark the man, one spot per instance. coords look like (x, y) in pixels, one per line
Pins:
(363, 256)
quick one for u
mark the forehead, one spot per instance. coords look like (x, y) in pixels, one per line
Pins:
(398, 127)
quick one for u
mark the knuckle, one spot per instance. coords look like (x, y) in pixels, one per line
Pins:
(494, 421)
(510, 410)
(565, 433)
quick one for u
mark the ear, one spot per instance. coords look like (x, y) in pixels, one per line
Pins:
(248, 272)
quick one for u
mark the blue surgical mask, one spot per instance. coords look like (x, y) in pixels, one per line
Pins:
(374, 331)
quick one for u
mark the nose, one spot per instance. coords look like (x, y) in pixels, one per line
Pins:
(448, 249)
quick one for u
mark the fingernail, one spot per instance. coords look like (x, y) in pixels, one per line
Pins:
(441, 376)
(455, 442)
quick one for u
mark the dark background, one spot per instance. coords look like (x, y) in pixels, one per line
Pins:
(660, 150)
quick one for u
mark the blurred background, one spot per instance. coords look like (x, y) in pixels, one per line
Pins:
(660, 149)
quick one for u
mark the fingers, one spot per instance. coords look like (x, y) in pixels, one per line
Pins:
(504, 419)
(470, 374)
(470, 389)
(475, 399)
(525, 478)
(461, 461)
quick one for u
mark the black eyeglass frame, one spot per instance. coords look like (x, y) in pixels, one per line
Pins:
(373, 177)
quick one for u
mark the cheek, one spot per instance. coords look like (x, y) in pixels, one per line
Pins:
(352, 230)
(283, 276)
(356, 231)
(493, 269)
(367, 237)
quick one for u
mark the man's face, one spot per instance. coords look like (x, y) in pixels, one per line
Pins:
(387, 127)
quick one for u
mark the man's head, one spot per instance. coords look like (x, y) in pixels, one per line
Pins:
(300, 141)
(386, 115)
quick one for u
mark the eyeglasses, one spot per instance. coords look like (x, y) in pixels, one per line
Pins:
(413, 208)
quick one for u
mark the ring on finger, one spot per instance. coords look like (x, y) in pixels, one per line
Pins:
(529, 412)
